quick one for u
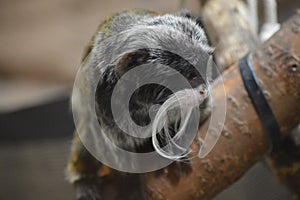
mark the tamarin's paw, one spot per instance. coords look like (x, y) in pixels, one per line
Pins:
(87, 190)
(176, 170)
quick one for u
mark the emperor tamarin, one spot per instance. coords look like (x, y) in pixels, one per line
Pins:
(122, 43)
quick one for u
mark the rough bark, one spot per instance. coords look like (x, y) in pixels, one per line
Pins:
(235, 41)
(243, 141)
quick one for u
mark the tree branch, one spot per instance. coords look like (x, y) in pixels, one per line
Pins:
(243, 141)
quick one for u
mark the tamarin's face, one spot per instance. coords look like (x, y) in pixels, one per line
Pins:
(154, 41)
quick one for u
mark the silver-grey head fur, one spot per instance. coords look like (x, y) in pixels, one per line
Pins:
(129, 32)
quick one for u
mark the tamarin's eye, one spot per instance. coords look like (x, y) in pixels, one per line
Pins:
(192, 75)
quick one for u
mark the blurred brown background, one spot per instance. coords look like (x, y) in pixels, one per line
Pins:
(41, 43)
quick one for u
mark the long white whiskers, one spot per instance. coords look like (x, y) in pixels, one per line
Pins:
(186, 101)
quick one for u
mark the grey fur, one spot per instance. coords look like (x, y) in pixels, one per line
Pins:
(128, 32)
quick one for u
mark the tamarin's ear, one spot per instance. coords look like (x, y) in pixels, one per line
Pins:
(199, 21)
(130, 60)
(184, 13)
(197, 18)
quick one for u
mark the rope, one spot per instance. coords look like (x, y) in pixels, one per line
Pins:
(270, 8)
(271, 24)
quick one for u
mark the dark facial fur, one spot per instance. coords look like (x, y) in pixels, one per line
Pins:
(144, 97)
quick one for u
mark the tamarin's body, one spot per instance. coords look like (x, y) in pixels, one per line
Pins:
(111, 61)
